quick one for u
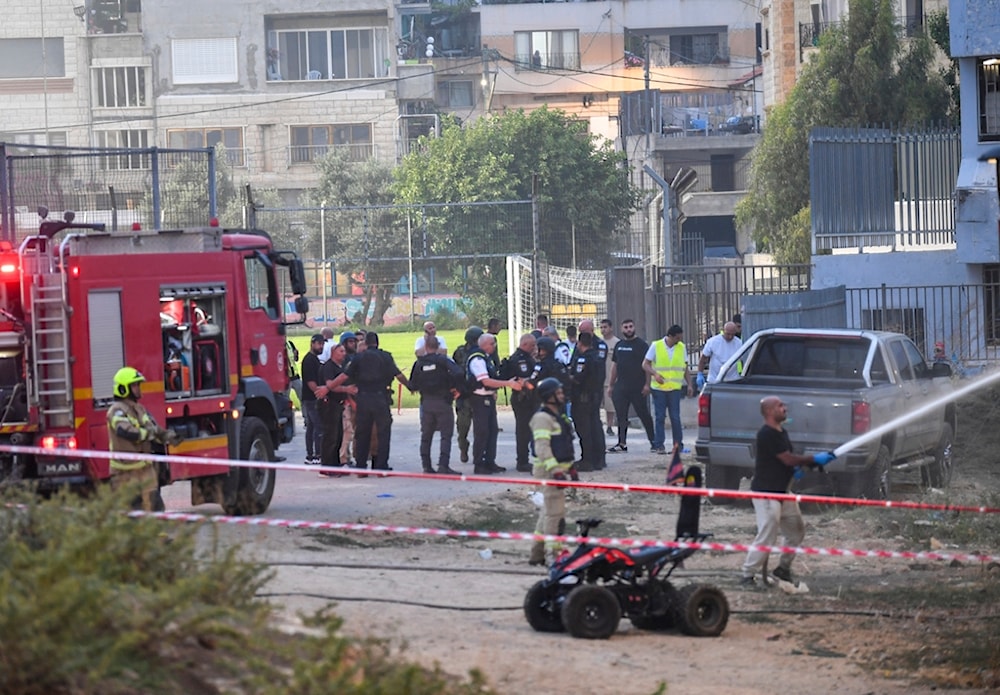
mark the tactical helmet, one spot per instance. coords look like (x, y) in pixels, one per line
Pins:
(124, 378)
(546, 344)
(473, 334)
(547, 388)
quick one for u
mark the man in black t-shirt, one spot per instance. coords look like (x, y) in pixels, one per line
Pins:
(774, 468)
(629, 384)
(310, 413)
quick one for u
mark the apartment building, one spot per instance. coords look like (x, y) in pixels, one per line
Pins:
(279, 83)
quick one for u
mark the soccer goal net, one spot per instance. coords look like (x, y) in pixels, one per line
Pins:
(565, 295)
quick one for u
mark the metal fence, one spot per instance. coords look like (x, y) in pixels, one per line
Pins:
(900, 187)
(702, 299)
(404, 263)
(154, 187)
(966, 318)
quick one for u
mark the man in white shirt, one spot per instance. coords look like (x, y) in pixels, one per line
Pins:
(718, 349)
(429, 330)
(563, 349)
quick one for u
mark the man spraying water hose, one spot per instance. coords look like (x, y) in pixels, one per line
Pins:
(775, 466)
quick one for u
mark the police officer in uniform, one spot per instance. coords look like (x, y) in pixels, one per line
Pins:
(587, 384)
(373, 371)
(600, 357)
(463, 406)
(132, 429)
(482, 376)
(435, 377)
(521, 365)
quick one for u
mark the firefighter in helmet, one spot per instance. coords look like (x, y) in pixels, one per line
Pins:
(552, 433)
(132, 429)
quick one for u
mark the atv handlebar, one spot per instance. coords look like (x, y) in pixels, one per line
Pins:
(584, 525)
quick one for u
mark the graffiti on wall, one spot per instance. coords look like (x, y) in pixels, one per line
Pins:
(340, 311)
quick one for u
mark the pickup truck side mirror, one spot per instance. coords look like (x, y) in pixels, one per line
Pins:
(940, 369)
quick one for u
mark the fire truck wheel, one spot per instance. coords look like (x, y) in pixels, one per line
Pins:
(256, 486)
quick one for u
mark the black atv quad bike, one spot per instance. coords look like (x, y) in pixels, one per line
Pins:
(589, 590)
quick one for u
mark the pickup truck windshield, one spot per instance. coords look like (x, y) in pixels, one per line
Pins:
(792, 356)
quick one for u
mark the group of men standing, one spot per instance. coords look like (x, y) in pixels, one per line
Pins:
(346, 398)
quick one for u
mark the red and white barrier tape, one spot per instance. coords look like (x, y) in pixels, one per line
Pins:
(517, 536)
(620, 487)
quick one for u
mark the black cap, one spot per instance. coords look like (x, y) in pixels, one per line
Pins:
(318, 338)
(737, 318)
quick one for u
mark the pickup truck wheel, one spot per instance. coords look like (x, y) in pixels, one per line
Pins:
(938, 473)
(879, 486)
(722, 478)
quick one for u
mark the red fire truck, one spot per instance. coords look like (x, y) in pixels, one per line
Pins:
(198, 311)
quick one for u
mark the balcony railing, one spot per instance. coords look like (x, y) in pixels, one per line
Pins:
(302, 154)
(547, 61)
(907, 26)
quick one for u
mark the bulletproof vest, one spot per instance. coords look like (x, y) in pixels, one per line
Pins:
(491, 370)
(369, 371)
(562, 443)
(520, 364)
(431, 372)
(551, 367)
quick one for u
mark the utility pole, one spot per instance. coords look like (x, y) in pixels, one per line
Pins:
(648, 103)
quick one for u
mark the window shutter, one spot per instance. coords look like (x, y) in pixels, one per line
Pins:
(204, 61)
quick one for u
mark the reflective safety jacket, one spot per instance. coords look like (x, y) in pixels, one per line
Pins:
(552, 441)
(131, 429)
(671, 369)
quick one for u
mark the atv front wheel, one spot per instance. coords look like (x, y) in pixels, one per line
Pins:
(541, 608)
(702, 610)
(591, 612)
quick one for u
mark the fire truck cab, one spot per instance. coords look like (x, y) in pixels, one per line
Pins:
(200, 312)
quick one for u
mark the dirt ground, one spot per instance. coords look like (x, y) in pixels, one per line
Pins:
(864, 626)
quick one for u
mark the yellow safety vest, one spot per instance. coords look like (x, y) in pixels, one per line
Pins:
(672, 369)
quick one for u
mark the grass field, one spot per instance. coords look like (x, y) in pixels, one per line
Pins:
(401, 347)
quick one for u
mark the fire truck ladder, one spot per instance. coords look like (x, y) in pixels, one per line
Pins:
(50, 358)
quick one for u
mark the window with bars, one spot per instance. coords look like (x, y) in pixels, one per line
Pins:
(194, 138)
(988, 76)
(121, 87)
(131, 139)
(312, 142)
(547, 50)
(328, 54)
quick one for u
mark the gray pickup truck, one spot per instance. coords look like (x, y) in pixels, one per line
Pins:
(838, 385)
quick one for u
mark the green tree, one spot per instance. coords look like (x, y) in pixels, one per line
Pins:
(862, 74)
(360, 238)
(184, 202)
(583, 188)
